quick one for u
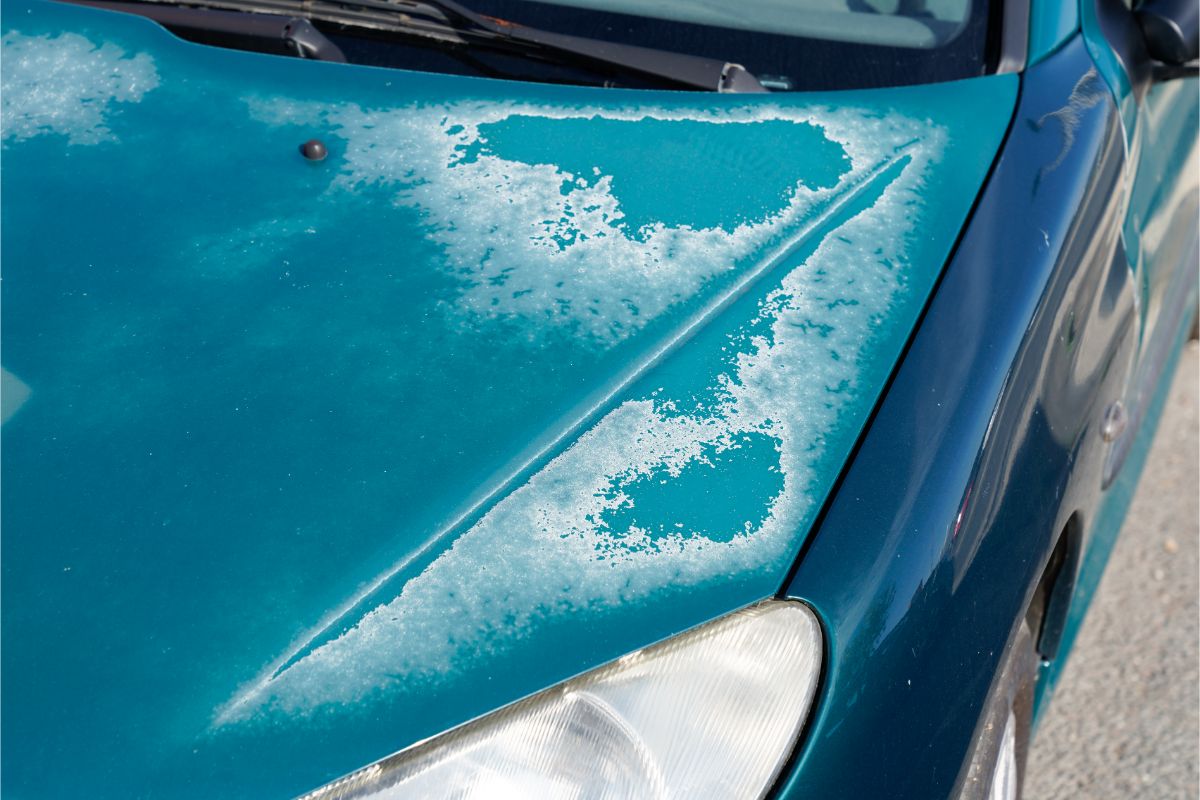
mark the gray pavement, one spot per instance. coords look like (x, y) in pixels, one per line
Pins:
(1125, 720)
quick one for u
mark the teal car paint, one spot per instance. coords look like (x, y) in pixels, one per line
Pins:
(317, 459)
(987, 492)
(1093, 14)
(1109, 517)
(1158, 234)
(1051, 24)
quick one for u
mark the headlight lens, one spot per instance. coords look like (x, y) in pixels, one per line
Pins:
(714, 712)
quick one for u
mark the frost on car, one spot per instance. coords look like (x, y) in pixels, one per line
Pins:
(533, 401)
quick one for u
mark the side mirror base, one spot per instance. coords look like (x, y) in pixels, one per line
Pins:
(1171, 29)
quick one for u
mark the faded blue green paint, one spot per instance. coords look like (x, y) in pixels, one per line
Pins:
(320, 459)
(1051, 22)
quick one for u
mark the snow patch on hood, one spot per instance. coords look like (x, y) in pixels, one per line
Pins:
(67, 85)
(546, 247)
(552, 248)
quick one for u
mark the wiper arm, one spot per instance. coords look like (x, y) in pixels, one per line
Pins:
(696, 72)
(289, 34)
(448, 21)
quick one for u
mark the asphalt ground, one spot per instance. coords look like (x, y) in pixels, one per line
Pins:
(1125, 719)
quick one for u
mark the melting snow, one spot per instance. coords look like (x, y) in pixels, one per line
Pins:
(546, 247)
(67, 84)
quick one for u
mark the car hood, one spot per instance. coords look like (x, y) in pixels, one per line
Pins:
(306, 461)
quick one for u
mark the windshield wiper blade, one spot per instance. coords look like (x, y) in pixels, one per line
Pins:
(696, 72)
(447, 20)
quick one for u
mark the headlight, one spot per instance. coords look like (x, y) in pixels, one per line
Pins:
(711, 713)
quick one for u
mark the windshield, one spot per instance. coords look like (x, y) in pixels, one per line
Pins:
(712, 45)
(891, 23)
(790, 44)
